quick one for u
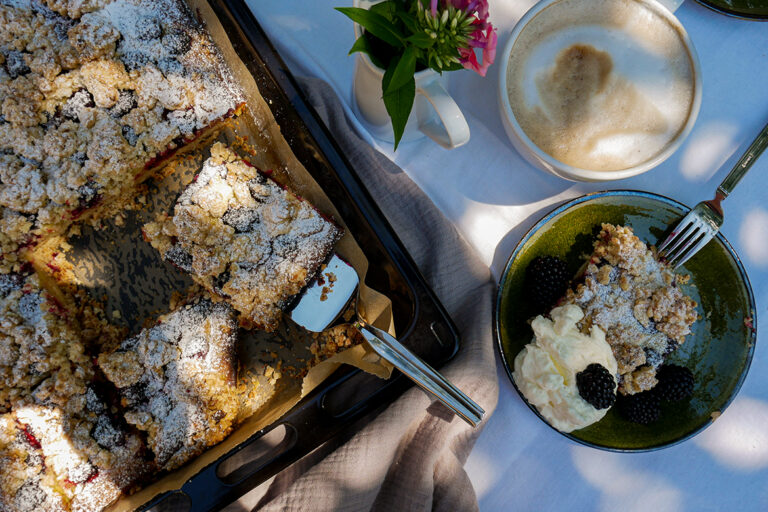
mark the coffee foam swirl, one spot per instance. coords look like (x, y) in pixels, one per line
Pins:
(601, 84)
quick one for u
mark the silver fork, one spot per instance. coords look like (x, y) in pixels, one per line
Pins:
(704, 221)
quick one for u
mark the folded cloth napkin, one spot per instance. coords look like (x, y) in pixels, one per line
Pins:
(411, 456)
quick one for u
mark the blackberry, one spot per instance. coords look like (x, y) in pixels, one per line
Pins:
(88, 195)
(596, 385)
(107, 433)
(15, 64)
(126, 101)
(179, 257)
(675, 383)
(129, 135)
(29, 497)
(220, 280)
(135, 393)
(242, 219)
(170, 67)
(133, 60)
(80, 157)
(79, 100)
(10, 283)
(641, 408)
(546, 279)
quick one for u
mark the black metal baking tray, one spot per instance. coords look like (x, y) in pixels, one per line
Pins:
(349, 398)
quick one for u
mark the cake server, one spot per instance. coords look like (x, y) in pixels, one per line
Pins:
(328, 295)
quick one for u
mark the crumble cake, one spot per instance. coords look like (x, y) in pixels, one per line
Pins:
(636, 300)
(177, 380)
(41, 353)
(244, 238)
(26, 484)
(91, 454)
(93, 96)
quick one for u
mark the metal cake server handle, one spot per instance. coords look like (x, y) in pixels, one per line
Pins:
(421, 373)
(328, 296)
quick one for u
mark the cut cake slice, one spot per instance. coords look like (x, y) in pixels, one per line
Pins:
(177, 380)
(94, 97)
(244, 238)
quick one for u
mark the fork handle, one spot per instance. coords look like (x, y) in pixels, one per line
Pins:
(421, 373)
(745, 162)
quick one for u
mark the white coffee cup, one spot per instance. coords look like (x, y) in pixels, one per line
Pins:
(544, 160)
(435, 114)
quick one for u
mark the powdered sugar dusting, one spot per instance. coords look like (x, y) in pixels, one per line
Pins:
(244, 237)
(635, 300)
(177, 380)
(91, 97)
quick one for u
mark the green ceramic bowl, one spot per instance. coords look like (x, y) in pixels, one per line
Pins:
(747, 9)
(718, 351)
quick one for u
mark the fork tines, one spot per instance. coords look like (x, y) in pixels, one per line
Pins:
(691, 234)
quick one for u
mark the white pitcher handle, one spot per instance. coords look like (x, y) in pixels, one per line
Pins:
(672, 5)
(449, 129)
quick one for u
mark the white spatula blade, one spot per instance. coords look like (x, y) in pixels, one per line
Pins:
(326, 297)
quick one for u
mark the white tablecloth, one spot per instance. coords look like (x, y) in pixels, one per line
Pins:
(493, 197)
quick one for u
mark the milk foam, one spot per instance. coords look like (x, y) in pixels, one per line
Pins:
(643, 103)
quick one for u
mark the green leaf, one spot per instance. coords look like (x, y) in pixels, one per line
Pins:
(404, 68)
(398, 102)
(363, 44)
(385, 9)
(374, 23)
(421, 40)
(408, 19)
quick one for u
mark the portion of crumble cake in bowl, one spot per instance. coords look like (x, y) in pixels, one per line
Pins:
(656, 321)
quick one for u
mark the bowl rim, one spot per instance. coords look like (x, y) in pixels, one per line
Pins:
(734, 13)
(580, 174)
(572, 203)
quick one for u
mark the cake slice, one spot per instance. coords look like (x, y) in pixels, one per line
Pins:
(636, 300)
(94, 97)
(91, 454)
(41, 353)
(26, 484)
(244, 238)
(177, 380)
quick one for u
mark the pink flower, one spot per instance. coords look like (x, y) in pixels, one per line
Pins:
(483, 37)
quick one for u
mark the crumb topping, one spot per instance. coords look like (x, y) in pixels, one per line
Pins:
(637, 302)
(243, 237)
(26, 485)
(177, 380)
(41, 354)
(91, 93)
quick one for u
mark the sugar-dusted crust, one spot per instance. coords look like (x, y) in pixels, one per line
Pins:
(90, 452)
(41, 354)
(92, 95)
(89, 457)
(177, 380)
(243, 237)
(636, 300)
(26, 485)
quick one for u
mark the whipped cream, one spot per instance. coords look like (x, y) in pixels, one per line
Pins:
(545, 370)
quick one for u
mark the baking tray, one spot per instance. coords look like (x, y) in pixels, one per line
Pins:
(349, 398)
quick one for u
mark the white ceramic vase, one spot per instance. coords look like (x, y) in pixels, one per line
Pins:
(435, 114)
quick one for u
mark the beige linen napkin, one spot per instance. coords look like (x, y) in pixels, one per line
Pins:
(411, 456)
